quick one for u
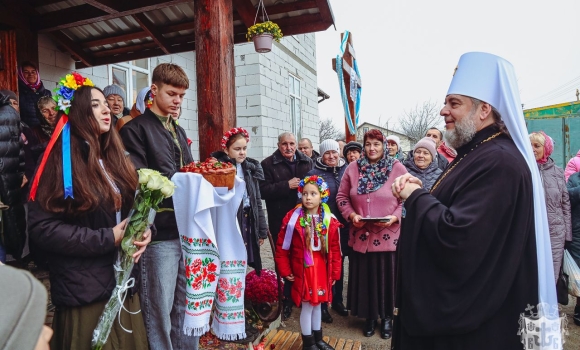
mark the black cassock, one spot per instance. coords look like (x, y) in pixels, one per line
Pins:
(467, 253)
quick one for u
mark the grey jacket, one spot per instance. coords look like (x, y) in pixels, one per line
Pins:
(558, 207)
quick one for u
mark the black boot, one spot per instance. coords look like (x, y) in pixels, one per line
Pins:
(386, 328)
(577, 315)
(319, 342)
(340, 309)
(326, 318)
(369, 329)
(308, 342)
(286, 310)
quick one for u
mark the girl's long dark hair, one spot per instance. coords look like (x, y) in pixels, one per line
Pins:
(91, 188)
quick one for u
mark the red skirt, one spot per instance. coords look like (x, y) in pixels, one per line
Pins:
(316, 281)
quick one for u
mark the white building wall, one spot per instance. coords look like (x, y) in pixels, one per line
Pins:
(262, 88)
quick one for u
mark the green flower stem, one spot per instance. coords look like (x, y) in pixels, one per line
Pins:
(145, 201)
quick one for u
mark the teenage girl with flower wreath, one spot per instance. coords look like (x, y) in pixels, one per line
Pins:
(308, 254)
(251, 217)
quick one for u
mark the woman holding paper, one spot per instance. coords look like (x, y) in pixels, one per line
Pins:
(363, 198)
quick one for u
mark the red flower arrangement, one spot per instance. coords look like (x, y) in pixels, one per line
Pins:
(233, 132)
(263, 288)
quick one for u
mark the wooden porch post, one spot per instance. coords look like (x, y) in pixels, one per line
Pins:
(214, 54)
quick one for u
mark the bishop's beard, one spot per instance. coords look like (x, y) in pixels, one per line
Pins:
(462, 133)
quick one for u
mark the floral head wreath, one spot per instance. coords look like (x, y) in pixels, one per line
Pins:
(64, 91)
(64, 94)
(233, 132)
(318, 181)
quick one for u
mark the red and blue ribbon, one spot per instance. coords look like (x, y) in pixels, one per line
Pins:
(62, 127)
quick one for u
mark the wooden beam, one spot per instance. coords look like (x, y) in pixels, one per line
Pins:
(214, 55)
(139, 34)
(72, 47)
(87, 14)
(246, 10)
(325, 11)
(122, 58)
(105, 5)
(290, 7)
(152, 31)
(38, 3)
(172, 43)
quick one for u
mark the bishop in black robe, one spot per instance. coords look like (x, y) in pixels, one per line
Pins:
(467, 253)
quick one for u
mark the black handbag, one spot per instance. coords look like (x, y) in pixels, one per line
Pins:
(562, 286)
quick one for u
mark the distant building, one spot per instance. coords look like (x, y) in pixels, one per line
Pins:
(406, 142)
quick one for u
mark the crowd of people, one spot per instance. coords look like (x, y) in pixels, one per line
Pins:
(446, 244)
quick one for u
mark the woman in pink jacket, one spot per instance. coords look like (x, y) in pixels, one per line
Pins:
(573, 166)
(365, 192)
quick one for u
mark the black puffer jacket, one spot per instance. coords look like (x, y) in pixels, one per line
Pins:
(574, 192)
(151, 146)
(81, 252)
(253, 174)
(11, 172)
(427, 176)
(332, 176)
(275, 189)
(28, 100)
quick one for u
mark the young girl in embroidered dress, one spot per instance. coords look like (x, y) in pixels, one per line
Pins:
(308, 254)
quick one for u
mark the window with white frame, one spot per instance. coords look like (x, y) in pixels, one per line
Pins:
(295, 105)
(132, 76)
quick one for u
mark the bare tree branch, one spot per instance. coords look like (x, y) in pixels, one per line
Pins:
(328, 130)
(415, 122)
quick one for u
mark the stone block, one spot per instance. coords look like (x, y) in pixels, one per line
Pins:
(253, 79)
(46, 56)
(248, 90)
(101, 72)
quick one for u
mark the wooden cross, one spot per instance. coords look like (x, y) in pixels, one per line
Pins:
(351, 82)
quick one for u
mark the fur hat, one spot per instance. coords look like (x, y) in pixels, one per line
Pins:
(329, 145)
(352, 145)
(114, 90)
(428, 144)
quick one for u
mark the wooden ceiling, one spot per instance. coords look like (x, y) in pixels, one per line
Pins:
(98, 32)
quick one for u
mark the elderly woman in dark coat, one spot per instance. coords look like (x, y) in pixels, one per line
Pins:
(30, 90)
(556, 194)
(421, 164)
(574, 246)
(251, 216)
(330, 166)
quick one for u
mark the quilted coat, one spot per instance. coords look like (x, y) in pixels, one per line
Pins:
(558, 207)
(574, 192)
(291, 262)
(11, 172)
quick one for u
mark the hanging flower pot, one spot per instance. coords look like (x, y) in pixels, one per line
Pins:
(263, 42)
(263, 34)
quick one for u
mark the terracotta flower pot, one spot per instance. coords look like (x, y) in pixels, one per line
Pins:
(263, 42)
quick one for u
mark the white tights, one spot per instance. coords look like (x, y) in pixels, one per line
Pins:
(310, 318)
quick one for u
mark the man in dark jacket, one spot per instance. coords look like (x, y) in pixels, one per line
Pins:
(156, 142)
(11, 174)
(305, 146)
(283, 171)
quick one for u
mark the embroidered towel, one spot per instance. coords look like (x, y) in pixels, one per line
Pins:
(210, 242)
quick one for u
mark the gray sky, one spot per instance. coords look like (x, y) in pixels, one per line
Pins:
(407, 50)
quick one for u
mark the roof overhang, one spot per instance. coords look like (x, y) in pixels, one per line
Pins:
(98, 32)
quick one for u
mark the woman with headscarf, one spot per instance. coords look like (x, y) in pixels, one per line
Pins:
(30, 90)
(142, 102)
(394, 149)
(556, 195)
(421, 165)
(364, 194)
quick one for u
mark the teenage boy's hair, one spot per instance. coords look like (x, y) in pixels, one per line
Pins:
(170, 74)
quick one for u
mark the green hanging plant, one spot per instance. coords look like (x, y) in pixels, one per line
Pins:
(265, 27)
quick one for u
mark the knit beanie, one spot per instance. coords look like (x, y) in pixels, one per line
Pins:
(23, 303)
(428, 144)
(396, 140)
(352, 145)
(114, 90)
(329, 145)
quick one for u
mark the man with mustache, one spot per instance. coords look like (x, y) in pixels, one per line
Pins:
(283, 171)
(473, 250)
